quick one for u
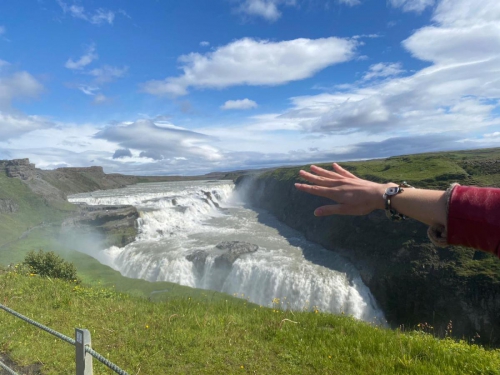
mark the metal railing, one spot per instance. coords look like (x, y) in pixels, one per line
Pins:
(82, 344)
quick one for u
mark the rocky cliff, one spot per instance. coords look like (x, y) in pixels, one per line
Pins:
(115, 224)
(413, 281)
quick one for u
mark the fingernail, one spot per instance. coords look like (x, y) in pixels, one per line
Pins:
(297, 185)
(318, 212)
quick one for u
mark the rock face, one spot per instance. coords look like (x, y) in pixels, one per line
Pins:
(118, 224)
(413, 281)
(21, 168)
(226, 253)
(232, 251)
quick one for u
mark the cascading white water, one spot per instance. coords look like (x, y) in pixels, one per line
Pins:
(181, 224)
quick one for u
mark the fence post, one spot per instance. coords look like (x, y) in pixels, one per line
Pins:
(83, 359)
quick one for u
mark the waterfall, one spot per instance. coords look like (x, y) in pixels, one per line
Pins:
(201, 235)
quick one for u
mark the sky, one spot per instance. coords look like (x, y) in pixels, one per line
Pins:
(189, 87)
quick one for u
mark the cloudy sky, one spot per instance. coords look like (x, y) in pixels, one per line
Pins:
(189, 87)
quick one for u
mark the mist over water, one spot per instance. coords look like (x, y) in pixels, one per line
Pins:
(180, 225)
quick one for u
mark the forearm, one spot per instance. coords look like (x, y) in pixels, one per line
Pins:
(426, 206)
(472, 218)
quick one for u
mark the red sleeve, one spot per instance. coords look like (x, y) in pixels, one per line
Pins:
(474, 218)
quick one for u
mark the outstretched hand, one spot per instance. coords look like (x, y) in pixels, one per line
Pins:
(353, 195)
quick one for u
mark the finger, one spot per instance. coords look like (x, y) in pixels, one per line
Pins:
(323, 172)
(334, 209)
(321, 181)
(343, 172)
(317, 190)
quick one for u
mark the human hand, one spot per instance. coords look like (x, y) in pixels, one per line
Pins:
(354, 195)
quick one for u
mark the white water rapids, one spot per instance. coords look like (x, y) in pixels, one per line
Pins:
(182, 222)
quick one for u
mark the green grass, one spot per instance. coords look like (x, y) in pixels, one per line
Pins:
(433, 170)
(32, 210)
(182, 335)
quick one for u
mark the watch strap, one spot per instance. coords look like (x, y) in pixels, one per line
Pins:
(391, 212)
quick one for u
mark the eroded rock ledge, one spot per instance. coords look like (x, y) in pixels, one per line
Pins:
(117, 224)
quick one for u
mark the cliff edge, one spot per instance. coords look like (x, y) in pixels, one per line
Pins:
(413, 281)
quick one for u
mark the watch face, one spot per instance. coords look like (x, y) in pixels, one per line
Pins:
(392, 190)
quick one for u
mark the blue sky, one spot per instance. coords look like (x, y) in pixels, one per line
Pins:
(189, 87)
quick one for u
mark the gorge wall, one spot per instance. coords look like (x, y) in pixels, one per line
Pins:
(114, 225)
(413, 281)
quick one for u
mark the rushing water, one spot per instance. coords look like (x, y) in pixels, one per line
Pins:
(181, 224)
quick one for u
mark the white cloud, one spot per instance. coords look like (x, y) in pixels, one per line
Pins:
(84, 60)
(107, 73)
(467, 13)
(350, 3)
(239, 104)
(204, 43)
(163, 140)
(98, 17)
(412, 5)
(383, 70)
(456, 45)
(459, 92)
(492, 135)
(255, 62)
(101, 99)
(14, 86)
(102, 75)
(88, 90)
(18, 85)
(124, 13)
(270, 9)
(267, 9)
(101, 16)
(13, 125)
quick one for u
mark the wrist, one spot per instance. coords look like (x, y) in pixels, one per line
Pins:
(380, 200)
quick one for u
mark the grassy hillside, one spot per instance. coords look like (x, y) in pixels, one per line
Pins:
(31, 210)
(432, 170)
(181, 335)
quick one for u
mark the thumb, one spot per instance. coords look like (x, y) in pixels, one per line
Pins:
(333, 209)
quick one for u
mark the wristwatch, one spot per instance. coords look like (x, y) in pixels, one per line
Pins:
(391, 192)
